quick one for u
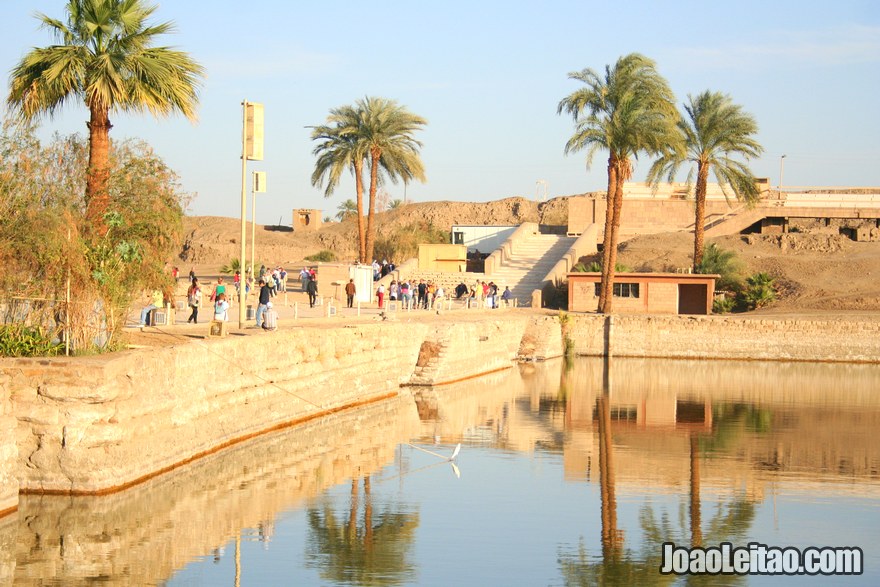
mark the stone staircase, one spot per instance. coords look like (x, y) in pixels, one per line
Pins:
(532, 260)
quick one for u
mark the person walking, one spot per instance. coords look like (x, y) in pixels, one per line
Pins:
(380, 295)
(312, 290)
(263, 304)
(350, 290)
(194, 299)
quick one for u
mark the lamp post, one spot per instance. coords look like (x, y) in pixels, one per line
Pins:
(781, 171)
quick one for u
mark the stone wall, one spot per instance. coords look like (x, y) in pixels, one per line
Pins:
(8, 451)
(723, 337)
(96, 424)
(458, 350)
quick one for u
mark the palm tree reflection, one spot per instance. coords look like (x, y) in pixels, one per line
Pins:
(621, 566)
(375, 552)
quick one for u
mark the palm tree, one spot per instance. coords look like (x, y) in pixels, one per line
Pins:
(715, 130)
(106, 58)
(339, 149)
(629, 110)
(386, 131)
(346, 209)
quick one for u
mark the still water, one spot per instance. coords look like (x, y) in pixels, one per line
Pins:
(567, 474)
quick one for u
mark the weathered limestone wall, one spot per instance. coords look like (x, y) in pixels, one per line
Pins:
(8, 452)
(143, 535)
(94, 424)
(542, 339)
(457, 350)
(721, 337)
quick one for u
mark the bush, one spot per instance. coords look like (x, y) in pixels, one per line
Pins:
(18, 340)
(723, 305)
(759, 291)
(324, 256)
(402, 243)
(724, 263)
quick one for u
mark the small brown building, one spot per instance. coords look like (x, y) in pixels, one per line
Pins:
(645, 293)
(306, 219)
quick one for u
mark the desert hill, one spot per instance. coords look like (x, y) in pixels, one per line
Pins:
(815, 271)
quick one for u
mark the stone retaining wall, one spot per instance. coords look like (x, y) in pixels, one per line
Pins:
(453, 351)
(97, 424)
(8, 451)
(723, 337)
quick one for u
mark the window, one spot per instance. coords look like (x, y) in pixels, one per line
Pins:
(621, 290)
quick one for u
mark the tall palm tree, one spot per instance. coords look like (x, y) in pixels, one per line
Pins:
(340, 149)
(629, 110)
(714, 131)
(105, 57)
(387, 132)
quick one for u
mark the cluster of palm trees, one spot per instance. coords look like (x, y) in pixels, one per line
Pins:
(375, 134)
(106, 57)
(631, 110)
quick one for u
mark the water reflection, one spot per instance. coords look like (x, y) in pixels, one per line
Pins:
(142, 535)
(570, 474)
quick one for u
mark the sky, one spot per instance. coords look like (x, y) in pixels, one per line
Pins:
(488, 77)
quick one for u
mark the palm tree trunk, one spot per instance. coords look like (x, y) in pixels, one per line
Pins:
(609, 223)
(700, 213)
(98, 175)
(610, 534)
(359, 189)
(696, 521)
(608, 282)
(374, 181)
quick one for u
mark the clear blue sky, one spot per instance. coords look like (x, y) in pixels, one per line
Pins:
(488, 77)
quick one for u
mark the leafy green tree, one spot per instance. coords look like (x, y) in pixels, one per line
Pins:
(339, 150)
(629, 110)
(43, 240)
(105, 57)
(715, 131)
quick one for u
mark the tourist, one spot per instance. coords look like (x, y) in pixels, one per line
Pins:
(350, 290)
(221, 307)
(461, 290)
(236, 282)
(155, 302)
(492, 293)
(439, 294)
(312, 290)
(304, 278)
(263, 304)
(218, 289)
(507, 296)
(194, 299)
(423, 293)
(283, 275)
(192, 274)
(430, 295)
(380, 295)
(393, 291)
(406, 295)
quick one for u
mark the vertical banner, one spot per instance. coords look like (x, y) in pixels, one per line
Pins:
(254, 132)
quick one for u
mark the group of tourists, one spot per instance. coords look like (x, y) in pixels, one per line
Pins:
(429, 295)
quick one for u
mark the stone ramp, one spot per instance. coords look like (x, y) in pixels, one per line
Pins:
(532, 259)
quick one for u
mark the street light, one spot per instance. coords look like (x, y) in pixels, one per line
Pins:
(781, 170)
